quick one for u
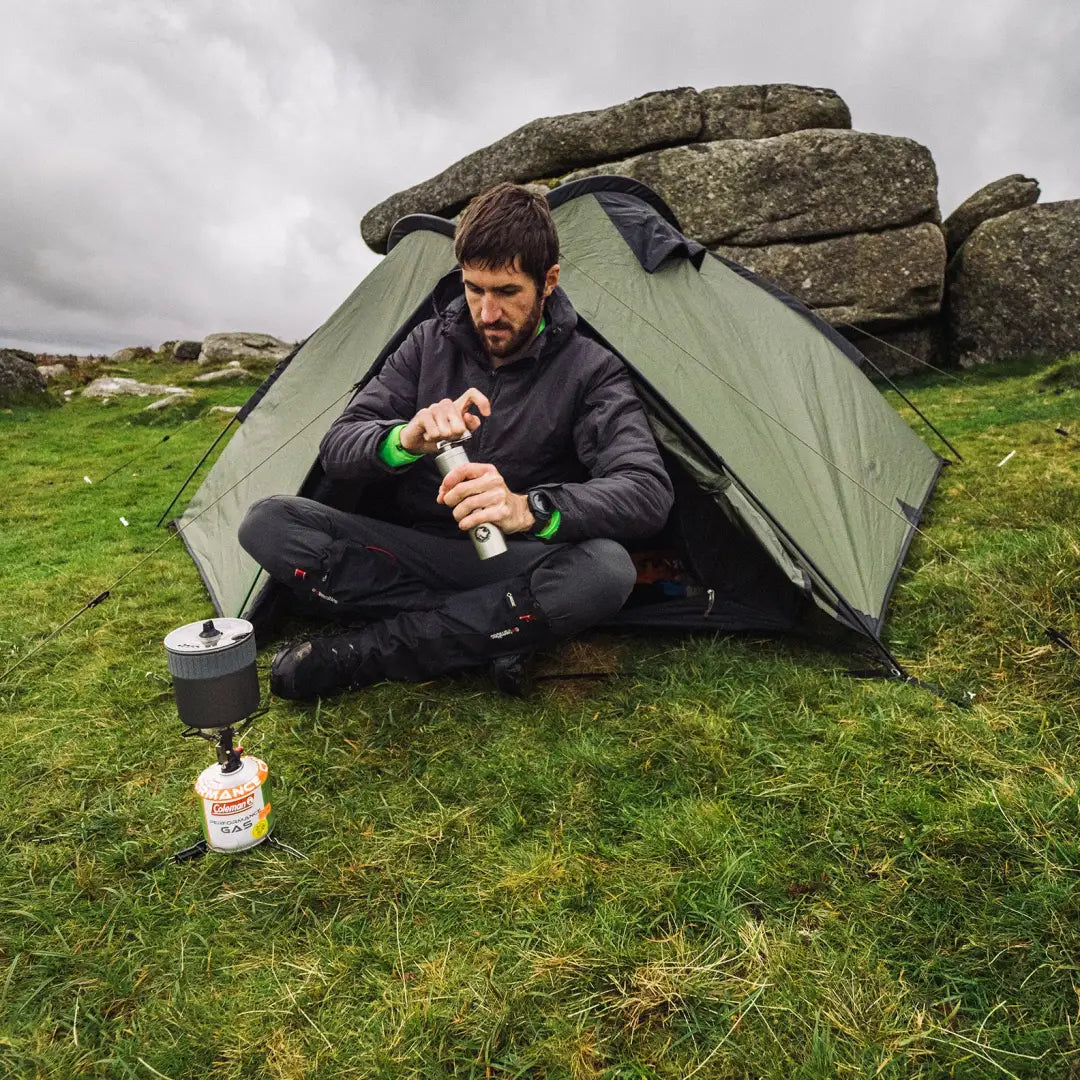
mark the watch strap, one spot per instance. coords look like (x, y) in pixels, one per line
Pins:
(551, 528)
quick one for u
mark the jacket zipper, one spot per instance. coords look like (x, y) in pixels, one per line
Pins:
(494, 382)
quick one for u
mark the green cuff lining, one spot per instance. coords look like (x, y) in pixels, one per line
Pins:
(392, 453)
(551, 528)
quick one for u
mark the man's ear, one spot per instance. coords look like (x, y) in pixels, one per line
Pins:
(551, 279)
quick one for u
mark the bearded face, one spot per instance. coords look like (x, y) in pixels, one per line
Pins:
(504, 337)
(505, 306)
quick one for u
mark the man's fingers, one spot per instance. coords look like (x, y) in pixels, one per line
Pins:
(446, 420)
(469, 489)
(476, 504)
(472, 470)
(477, 494)
(430, 423)
(444, 416)
(472, 396)
(452, 422)
(469, 471)
(470, 514)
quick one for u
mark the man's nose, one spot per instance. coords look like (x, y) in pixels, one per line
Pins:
(490, 310)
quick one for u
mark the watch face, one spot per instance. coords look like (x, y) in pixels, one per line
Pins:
(539, 503)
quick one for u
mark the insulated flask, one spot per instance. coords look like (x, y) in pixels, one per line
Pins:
(487, 539)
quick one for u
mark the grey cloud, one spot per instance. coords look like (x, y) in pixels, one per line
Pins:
(174, 170)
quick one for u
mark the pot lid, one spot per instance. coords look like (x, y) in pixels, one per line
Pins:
(208, 635)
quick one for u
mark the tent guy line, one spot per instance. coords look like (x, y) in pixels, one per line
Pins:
(902, 352)
(104, 595)
(139, 455)
(839, 471)
(896, 389)
(198, 466)
(1054, 634)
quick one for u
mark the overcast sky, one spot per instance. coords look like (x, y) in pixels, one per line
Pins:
(172, 170)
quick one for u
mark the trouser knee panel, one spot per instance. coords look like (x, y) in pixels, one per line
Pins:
(262, 526)
(583, 584)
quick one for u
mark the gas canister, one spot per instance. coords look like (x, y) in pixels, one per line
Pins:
(237, 812)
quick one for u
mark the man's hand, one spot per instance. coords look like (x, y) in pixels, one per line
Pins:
(478, 494)
(443, 420)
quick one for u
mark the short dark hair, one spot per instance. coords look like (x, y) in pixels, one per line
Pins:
(506, 223)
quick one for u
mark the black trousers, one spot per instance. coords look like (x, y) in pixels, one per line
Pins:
(431, 604)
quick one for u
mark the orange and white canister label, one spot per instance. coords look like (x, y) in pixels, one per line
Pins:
(236, 806)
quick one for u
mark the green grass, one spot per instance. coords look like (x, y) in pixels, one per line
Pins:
(734, 862)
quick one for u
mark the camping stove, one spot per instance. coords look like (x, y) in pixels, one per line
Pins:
(216, 688)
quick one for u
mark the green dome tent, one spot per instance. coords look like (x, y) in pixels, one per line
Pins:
(798, 488)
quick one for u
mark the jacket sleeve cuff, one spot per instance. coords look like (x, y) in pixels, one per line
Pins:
(391, 451)
(551, 528)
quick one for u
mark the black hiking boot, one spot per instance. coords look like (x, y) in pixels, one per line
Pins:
(468, 629)
(510, 674)
(311, 669)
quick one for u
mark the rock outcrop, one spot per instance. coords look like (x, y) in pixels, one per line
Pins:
(1001, 197)
(183, 351)
(109, 386)
(547, 148)
(19, 354)
(769, 176)
(20, 381)
(242, 346)
(759, 112)
(1014, 287)
(801, 186)
(892, 276)
(134, 352)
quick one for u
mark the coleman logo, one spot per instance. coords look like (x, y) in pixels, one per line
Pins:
(228, 794)
(238, 806)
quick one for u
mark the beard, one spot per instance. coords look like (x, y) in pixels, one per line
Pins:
(517, 339)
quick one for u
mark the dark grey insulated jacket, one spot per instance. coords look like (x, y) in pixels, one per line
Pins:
(564, 418)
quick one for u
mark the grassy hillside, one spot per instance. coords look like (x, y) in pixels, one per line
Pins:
(734, 861)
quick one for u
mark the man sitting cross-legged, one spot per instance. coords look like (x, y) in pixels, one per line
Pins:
(561, 460)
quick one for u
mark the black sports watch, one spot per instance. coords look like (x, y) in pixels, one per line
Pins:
(542, 508)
